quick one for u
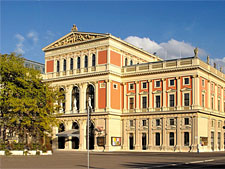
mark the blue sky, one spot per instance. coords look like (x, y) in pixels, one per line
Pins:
(170, 28)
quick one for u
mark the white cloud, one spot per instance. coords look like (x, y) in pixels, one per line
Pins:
(166, 50)
(144, 43)
(33, 35)
(20, 45)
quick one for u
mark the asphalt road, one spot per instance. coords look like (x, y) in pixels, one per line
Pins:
(116, 160)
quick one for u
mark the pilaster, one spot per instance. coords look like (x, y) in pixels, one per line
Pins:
(137, 96)
(150, 96)
(178, 94)
(96, 96)
(124, 97)
(209, 94)
(164, 95)
(68, 99)
(108, 95)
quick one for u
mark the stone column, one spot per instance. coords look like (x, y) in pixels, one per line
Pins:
(108, 95)
(178, 93)
(61, 66)
(178, 134)
(107, 145)
(96, 96)
(150, 135)
(150, 95)
(164, 95)
(216, 135)
(137, 96)
(68, 65)
(83, 135)
(164, 138)
(209, 133)
(68, 99)
(221, 99)
(124, 97)
(137, 135)
(83, 88)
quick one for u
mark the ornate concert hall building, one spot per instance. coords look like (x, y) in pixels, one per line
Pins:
(138, 101)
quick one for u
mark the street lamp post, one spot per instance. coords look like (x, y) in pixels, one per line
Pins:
(88, 109)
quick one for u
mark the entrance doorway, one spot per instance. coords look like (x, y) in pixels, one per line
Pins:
(91, 136)
(75, 140)
(75, 143)
(61, 140)
(143, 141)
(131, 141)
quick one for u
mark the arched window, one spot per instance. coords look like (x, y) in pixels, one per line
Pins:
(61, 128)
(75, 104)
(86, 61)
(90, 93)
(131, 62)
(63, 100)
(78, 63)
(71, 63)
(125, 61)
(93, 60)
(64, 65)
(57, 66)
(75, 125)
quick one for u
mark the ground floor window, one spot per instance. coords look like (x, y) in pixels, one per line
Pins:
(157, 139)
(219, 139)
(212, 140)
(171, 138)
(186, 138)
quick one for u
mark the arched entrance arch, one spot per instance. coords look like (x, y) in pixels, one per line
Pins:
(61, 140)
(91, 135)
(75, 103)
(62, 101)
(90, 93)
(75, 140)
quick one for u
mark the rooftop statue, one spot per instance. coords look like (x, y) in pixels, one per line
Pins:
(196, 52)
(207, 59)
(74, 28)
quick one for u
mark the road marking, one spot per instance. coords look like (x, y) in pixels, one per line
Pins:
(209, 160)
(193, 162)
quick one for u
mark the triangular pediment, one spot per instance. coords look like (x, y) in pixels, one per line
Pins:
(75, 38)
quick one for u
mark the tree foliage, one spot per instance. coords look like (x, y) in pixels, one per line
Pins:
(27, 104)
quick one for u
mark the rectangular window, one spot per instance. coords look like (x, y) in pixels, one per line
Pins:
(212, 124)
(186, 81)
(86, 61)
(144, 85)
(115, 86)
(219, 124)
(186, 99)
(171, 100)
(203, 100)
(78, 63)
(131, 123)
(144, 102)
(219, 137)
(93, 60)
(157, 101)
(157, 139)
(57, 66)
(171, 139)
(186, 121)
(64, 65)
(218, 105)
(157, 122)
(144, 123)
(172, 82)
(157, 83)
(186, 138)
(203, 83)
(131, 103)
(212, 103)
(71, 63)
(171, 122)
(131, 86)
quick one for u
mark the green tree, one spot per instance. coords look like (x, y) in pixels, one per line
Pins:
(27, 104)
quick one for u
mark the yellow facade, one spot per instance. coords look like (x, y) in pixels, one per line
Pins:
(139, 101)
